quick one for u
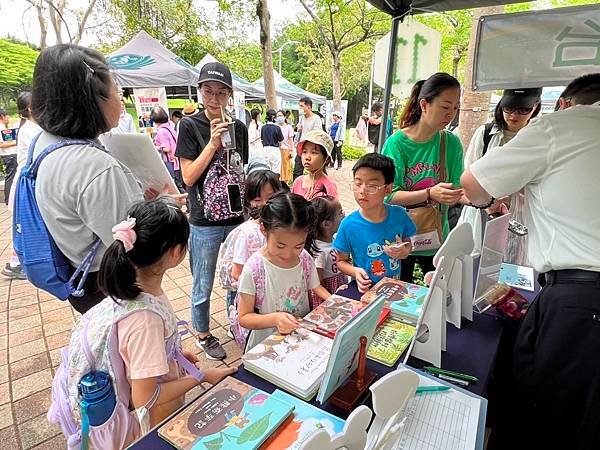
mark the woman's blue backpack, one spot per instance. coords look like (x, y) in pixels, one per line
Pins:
(44, 264)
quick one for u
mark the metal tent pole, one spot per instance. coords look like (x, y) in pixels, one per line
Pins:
(387, 94)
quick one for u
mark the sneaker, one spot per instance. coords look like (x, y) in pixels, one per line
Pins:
(15, 273)
(230, 333)
(211, 348)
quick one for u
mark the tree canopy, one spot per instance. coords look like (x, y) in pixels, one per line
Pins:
(16, 69)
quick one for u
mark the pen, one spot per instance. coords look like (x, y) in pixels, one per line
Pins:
(426, 389)
(460, 376)
(462, 383)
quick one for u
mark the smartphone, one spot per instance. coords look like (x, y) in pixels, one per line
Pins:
(234, 196)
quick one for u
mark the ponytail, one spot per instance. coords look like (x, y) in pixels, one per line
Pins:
(117, 277)
(288, 210)
(411, 113)
(428, 90)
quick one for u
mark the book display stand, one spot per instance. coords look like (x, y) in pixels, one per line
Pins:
(349, 394)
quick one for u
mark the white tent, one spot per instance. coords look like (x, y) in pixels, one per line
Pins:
(251, 91)
(289, 91)
(145, 62)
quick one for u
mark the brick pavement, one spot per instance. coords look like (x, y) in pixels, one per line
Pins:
(34, 326)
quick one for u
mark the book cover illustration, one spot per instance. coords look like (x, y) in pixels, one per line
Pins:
(519, 277)
(232, 415)
(390, 341)
(9, 134)
(298, 359)
(404, 299)
(344, 353)
(334, 312)
(305, 420)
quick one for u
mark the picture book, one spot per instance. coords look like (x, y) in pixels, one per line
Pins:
(305, 420)
(519, 277)
(294, 362)
(330, 315)
(231, 415)
(346, 344)
(9, 134)
(405, 300)
(389, 342)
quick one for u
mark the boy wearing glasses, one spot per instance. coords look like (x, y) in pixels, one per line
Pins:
(377, 235)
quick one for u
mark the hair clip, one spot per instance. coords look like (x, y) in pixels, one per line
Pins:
(88, 66)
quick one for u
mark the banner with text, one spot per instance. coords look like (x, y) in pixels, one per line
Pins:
(536, 48)
(148, 98)
(417, 57)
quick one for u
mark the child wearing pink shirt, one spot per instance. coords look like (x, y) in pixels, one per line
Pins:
(316, 150)
(151, 241)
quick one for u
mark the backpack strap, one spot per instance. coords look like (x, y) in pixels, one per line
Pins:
(257, 267)
(487, 137)
(32, 148)
(64, 143)
(306, 259)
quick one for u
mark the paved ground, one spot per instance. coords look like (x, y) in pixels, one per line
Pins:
(34, 326)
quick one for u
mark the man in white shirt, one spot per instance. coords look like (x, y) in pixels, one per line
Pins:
(308, 122)
(125, 121)
(8, 155)
(556, 158)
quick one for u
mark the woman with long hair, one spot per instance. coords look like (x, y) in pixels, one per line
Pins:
(416, 149)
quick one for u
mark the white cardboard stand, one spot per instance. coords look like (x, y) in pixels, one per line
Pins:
(450, 262)
(390, 395)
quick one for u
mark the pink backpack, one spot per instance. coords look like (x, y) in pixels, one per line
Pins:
(257, 268)
(94, 346)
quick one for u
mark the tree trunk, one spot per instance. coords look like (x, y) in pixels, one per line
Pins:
(337, 80)
(56, 11)
(262, 11)
(474, 110)
(83, 20)
(43, 25)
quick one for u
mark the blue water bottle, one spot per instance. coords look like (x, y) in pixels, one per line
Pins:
(97, 402)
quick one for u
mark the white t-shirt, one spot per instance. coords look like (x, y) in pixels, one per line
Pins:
(27, 132)
(326, 259)
(310, 123)
(556, 159)
(285, 290)
(125, 124)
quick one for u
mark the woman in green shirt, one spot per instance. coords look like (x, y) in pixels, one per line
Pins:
(415, 149)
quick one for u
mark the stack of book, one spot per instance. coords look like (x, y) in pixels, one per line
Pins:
(231, 415)
(405, 300)
(295, 362)
(235, 415)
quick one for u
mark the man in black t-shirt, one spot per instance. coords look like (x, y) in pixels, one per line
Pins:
(198, 141)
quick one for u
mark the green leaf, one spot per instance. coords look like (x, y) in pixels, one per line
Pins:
(254, 431)
(215, 444)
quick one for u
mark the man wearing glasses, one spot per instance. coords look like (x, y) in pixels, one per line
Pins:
(200, 138)
(556, 159)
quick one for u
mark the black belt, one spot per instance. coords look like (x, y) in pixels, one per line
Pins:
(572, 275)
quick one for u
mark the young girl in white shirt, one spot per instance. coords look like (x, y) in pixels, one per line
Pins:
(275, 282)
(329, 214)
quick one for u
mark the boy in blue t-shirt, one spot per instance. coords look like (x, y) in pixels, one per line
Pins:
(377, 235)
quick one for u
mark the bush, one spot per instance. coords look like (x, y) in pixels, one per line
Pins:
(352, 153)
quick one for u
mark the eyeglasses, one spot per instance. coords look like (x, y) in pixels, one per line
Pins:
(219, 94)
(519, 110)
(369, 189)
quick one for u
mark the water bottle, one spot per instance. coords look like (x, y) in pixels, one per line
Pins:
(97, 397)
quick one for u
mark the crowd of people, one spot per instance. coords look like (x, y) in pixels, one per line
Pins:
(272, 230)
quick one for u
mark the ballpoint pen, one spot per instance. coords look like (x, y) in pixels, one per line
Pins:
(450, 373)
(428, 389)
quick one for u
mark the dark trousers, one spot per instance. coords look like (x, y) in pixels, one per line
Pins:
(10, 167)
(556, 366)
(298, 167)
(337, 154)
(91, 297)
(408, 266)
